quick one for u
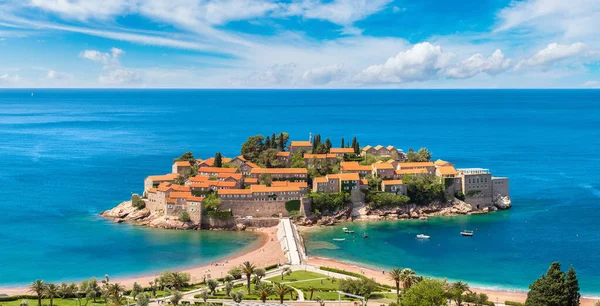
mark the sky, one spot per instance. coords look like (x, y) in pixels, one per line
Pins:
(299, 44)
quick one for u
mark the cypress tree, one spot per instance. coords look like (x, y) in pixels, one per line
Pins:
(281, 143)
(572, 285)
(343, 144)
(273, 142)
(357, 148)
(328, 144)
(354, 143)
(218, 160)
(267, 143)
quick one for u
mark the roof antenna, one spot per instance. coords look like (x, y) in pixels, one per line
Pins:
(310, 137)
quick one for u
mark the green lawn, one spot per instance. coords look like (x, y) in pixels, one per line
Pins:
(296, 276)
(320, 284)
(326, 295)
(221, 294)
(56, 302)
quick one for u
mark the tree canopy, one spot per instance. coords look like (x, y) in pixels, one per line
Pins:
(555, 288)
(424, 189)
(187, 156)
(422, 155)
(328, 201)
(428, 292)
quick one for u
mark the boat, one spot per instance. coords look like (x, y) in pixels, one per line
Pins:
(365, 235)
(339, 239)
(421, 236)
(347, 231)
(467, 233)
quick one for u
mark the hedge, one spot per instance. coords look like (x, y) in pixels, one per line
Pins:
(511, 303)
(292, 205)
(17, 297)
(271, 267)
(341, 272)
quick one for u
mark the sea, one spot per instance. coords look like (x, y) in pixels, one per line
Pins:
(67, 155)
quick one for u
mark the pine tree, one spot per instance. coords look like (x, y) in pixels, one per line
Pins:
(267, 142)
(281, 142)
(572, 288)
(218, 160)
(273, 142)
(549, 290)
(328, 144)
(343, 144)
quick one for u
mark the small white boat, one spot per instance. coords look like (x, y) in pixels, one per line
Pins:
(466, 233)
(421, 236)
(347, 231)
(339, 239)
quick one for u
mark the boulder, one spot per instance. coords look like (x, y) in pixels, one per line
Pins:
(240, 226)
(502, 202)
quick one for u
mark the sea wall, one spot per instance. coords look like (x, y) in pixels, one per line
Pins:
(255, 209)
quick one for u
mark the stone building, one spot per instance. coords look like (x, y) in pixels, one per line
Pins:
(182, 168)
(319, 160)
(355, 167)
(393, 186)
(383, 170)
(154, 180)
(284, 158)
(278, 174)
(340, 152)
(300, 146)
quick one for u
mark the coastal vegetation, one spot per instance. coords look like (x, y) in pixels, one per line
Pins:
(424, 189)
(322, 201)
(554, 288)
(422, 155)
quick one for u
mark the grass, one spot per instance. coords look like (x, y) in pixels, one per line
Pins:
(221, 294)
(321, 284)
(56, 302)
(326, 295)
(296, 276)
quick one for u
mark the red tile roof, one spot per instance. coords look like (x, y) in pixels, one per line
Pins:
(301, 144)
(279, 171)
(216, 170)
(341, 150)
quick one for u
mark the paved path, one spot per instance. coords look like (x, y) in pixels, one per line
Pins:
(292, 247)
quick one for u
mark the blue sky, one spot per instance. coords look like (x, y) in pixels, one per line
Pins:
(300, 43)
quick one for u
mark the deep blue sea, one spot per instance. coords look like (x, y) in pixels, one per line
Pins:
(66, 155)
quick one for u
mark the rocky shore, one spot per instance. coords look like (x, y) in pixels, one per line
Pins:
(125, 212)
(407, 212)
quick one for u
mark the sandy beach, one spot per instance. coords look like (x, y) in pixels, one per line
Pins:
(266, 253)
(493, 295)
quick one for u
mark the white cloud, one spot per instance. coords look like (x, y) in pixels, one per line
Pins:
(422, 62)
(278, 75)
(553, 54)
(85, 9)
(113, 73)
(571, 19)
(591, 84)
(120, 76)
(324, 75)
(477, 64)
(7, 79)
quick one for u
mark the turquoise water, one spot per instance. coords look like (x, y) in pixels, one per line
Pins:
(66, 155)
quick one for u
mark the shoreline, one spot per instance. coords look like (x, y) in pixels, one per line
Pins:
(267, 252)
(500, 295)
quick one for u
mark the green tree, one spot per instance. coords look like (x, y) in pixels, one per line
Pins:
(237, 296)
(260, 273)
(411, 155)
(424, 189)
(298, 160)
(429, 292)
(248, 270)
(550, 289)
(252, 147)
(281, 142)
(263, 291)
(268, 142)
(408, 277)
(137, 202)
(174, 280)
(423, 155)
(176, 297)
(180, 180)
(395, 275)
(51, 291)
(153, 287)
(357, 148)
(328, 144)
(212, 285)
(572, 288)
(114, 293)
(228, 287)
(184, 217)
(218, 160)
(374, 182)
(142, 299)
(457, 290)
(354, 141)
(204, 295)
(265, 179)
(236, 272)
(362, 286)
(281, 290)
(187, 156)
(285, 272)
(37, 287)
(268, 158)
(343, 143)
(211, 202)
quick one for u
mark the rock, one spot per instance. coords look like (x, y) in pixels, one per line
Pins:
(423, 218)
(502, 202)
(414, 215)
(240, 226)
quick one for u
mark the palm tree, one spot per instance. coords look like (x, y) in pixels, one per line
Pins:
(312, 290)
(37, 287)
(263, 291)
(285, 271)
(115, 293)
(51, 291)
(396, 275)
(248, 269)
(408, 277)
(458, 289)
(282, 290)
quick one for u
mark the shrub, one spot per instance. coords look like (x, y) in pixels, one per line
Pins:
(471, 193)
(220, 215)
(184, 217)
(511, 303)
(459, 195)
(17, 297)
(137, 202)
(292, 205)
(341, 272)
(271, 267)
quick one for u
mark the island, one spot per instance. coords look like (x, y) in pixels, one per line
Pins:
(313, 183)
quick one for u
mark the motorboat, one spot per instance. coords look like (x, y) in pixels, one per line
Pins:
(422, 236)
(365, 235)
(466, 233)
(347, 231)
(339, 239)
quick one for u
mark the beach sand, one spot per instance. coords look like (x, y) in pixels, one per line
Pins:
(266, 253)
(494, 295)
